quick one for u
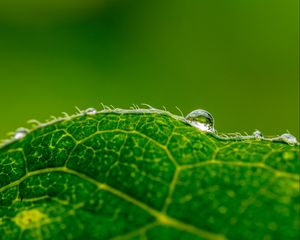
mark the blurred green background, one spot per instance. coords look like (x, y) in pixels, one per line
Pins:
(236, 59)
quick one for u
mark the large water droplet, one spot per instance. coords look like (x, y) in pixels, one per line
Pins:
(257, 134)
(201, 119)
(288, 138)
(90, 111)
(20, 133)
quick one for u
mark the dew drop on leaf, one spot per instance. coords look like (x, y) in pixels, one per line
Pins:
(288, 138)
(201, 119)
(257, 134)
(20, 133)
(90, 111)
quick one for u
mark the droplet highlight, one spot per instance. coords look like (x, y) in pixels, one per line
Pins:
(20, 133)
(90, 111)
(257, 134)
(201, 119)
(288, 138)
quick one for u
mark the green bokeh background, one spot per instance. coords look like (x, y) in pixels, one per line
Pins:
(236, 59)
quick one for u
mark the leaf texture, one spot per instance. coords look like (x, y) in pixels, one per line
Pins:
(145, 175)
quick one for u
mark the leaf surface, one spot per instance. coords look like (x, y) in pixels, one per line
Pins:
(145, 175)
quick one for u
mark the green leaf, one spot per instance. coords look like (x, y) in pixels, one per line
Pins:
(145, 175)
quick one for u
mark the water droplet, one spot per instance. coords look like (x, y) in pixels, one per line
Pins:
(201, 119)
(20, 133)
(257, 134)
(90, 111)
(288, 138)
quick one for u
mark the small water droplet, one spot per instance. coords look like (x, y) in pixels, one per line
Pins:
(257, 134)
(201, 119)
(20, 133)
(90, 111)
(288, 138)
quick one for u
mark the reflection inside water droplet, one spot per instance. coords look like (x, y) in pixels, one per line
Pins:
(90, 111)
(201, 119)
(288, 138)
(257, 134)
(20, 133)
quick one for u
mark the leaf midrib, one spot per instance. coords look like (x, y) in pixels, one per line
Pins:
(161, 217)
